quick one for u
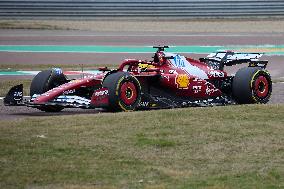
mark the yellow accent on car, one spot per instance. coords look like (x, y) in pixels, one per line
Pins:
(251, 83)
(145, 66)
(182, 81)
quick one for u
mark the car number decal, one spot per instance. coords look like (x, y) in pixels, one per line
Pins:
(181, 62)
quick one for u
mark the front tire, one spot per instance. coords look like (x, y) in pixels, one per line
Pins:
(124, 91)
(252, 85)
(44, 81)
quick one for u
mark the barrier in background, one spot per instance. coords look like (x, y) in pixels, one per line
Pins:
(141, 8)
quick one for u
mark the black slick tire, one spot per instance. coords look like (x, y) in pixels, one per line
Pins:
(44, 81)
(124, 91)
(252, 85)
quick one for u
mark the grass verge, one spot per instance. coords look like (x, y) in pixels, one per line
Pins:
(6, 84)
(247, 25)
(218, 147)
(29, 25)
(278, 80)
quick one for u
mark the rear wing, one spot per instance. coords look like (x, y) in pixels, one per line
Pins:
(228, 58)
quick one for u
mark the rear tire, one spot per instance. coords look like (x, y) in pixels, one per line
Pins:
(124, 91)
(252, 85)
(44, 81)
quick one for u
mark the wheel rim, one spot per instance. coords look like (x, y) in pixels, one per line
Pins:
(128, 93)
(261, 87)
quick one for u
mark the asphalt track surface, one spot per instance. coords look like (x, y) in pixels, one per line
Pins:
(45, 37)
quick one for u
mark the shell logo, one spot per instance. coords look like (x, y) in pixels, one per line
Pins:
(182, 81)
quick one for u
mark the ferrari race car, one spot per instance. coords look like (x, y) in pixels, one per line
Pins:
(168, 81)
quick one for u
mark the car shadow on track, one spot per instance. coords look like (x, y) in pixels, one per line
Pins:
(16, 112)
(72, 111)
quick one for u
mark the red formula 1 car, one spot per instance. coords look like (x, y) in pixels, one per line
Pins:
(168, 81)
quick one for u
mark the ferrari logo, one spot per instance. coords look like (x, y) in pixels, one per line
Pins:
(182, 81)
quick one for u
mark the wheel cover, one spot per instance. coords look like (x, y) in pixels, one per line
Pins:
(261, 87)
(128, 93)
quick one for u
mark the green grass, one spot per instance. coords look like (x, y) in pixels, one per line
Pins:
(277, 80)
(142, 140)
(218, 147)
(6, 84)
(27, 25)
